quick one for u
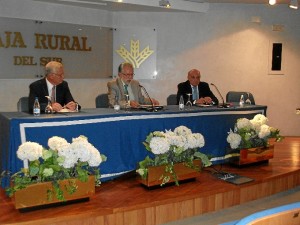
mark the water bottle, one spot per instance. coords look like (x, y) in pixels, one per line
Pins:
(36, 107)
(242, 101)
(181, 103)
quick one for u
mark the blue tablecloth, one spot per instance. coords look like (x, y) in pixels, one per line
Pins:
(119, 136)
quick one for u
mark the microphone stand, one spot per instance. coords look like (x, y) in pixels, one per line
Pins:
(223, 105)
(153, 109)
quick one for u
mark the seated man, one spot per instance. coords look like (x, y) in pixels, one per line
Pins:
(124, 85)
(52, 85)
(200, 91)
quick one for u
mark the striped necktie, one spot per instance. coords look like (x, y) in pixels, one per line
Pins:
(126, 89)
(53, 94)
(195, 93)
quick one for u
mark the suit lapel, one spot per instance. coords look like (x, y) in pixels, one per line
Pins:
(44, 87)
(120, 87)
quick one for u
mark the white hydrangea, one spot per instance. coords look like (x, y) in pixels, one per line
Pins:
(55, 142)
(256, 126)
(185, 142)
(95, 157)
(195, 140)
(81, 138)
(176, 140)
(68, 163)
(65, 151)
(260, 118)
(244, 123)
(182, 130)
(70, 156)
(234, 140)
(159, 145)
(258, 121)
(81, 150)
(30, 150)
(158, 133)
(169, 133)
(264, 131)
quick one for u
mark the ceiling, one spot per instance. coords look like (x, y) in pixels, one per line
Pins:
(152, 5)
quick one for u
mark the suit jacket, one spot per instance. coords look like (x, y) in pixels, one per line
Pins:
(39, 89)
(204, 91)
(116, 92)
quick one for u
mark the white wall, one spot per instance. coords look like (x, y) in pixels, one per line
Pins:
(224, 44)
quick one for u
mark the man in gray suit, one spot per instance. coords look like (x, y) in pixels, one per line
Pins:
(126, 85)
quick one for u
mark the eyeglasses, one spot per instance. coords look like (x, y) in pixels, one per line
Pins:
(128, 75)
(59, 75)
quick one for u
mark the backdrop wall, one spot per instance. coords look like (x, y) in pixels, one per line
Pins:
(229, 49)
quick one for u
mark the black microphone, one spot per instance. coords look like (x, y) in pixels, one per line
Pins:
(223, 105)
(153, 109)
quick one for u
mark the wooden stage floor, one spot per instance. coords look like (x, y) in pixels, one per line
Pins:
(125, 202)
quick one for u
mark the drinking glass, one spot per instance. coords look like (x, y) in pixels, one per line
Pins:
(127, 106)
(189, 103)
(248, 101)
(116, 105)
(49, 109)
(77, 107)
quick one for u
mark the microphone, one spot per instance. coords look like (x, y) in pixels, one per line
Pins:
(153, 109)
(223, 105)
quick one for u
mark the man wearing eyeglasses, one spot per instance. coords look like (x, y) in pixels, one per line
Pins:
(54, 86)
(125, 86)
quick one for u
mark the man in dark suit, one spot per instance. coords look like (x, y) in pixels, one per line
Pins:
(52, 85)
(200, 91)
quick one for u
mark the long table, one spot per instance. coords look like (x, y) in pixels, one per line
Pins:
(119, 136)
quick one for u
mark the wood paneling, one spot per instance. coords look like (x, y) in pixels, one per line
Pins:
(125, 201)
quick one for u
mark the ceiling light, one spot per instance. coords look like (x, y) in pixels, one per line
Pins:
(84, 2)
(272, 2)
(294, 4)
(164, 3)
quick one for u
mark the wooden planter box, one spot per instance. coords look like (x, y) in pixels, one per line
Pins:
(36, 194)
(183, 173)
(254, 155)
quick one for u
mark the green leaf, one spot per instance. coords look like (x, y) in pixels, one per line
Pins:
(206, 162)
(33, 170)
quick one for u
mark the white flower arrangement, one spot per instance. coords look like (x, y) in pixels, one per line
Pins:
(170, 147)
(63, 160)
(252, 133)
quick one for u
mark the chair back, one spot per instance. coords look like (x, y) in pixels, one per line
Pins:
(102, 101)
(172, 99)
(22, 104)
(235, 96)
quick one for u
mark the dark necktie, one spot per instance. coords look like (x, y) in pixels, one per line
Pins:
(53, 94)
(126, 89)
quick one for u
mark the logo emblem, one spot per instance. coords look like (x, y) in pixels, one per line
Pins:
(135, 57)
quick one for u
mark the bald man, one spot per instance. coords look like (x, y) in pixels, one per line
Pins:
(199, 90)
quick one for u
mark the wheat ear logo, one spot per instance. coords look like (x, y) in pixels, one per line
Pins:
(135, 57)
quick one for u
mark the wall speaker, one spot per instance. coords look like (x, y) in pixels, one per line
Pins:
(276, 56)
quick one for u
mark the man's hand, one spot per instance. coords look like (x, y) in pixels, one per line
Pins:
(134, 104)
(208, 100)
(155, 102)
(71, 105)
(205, 100)
(56, 107)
